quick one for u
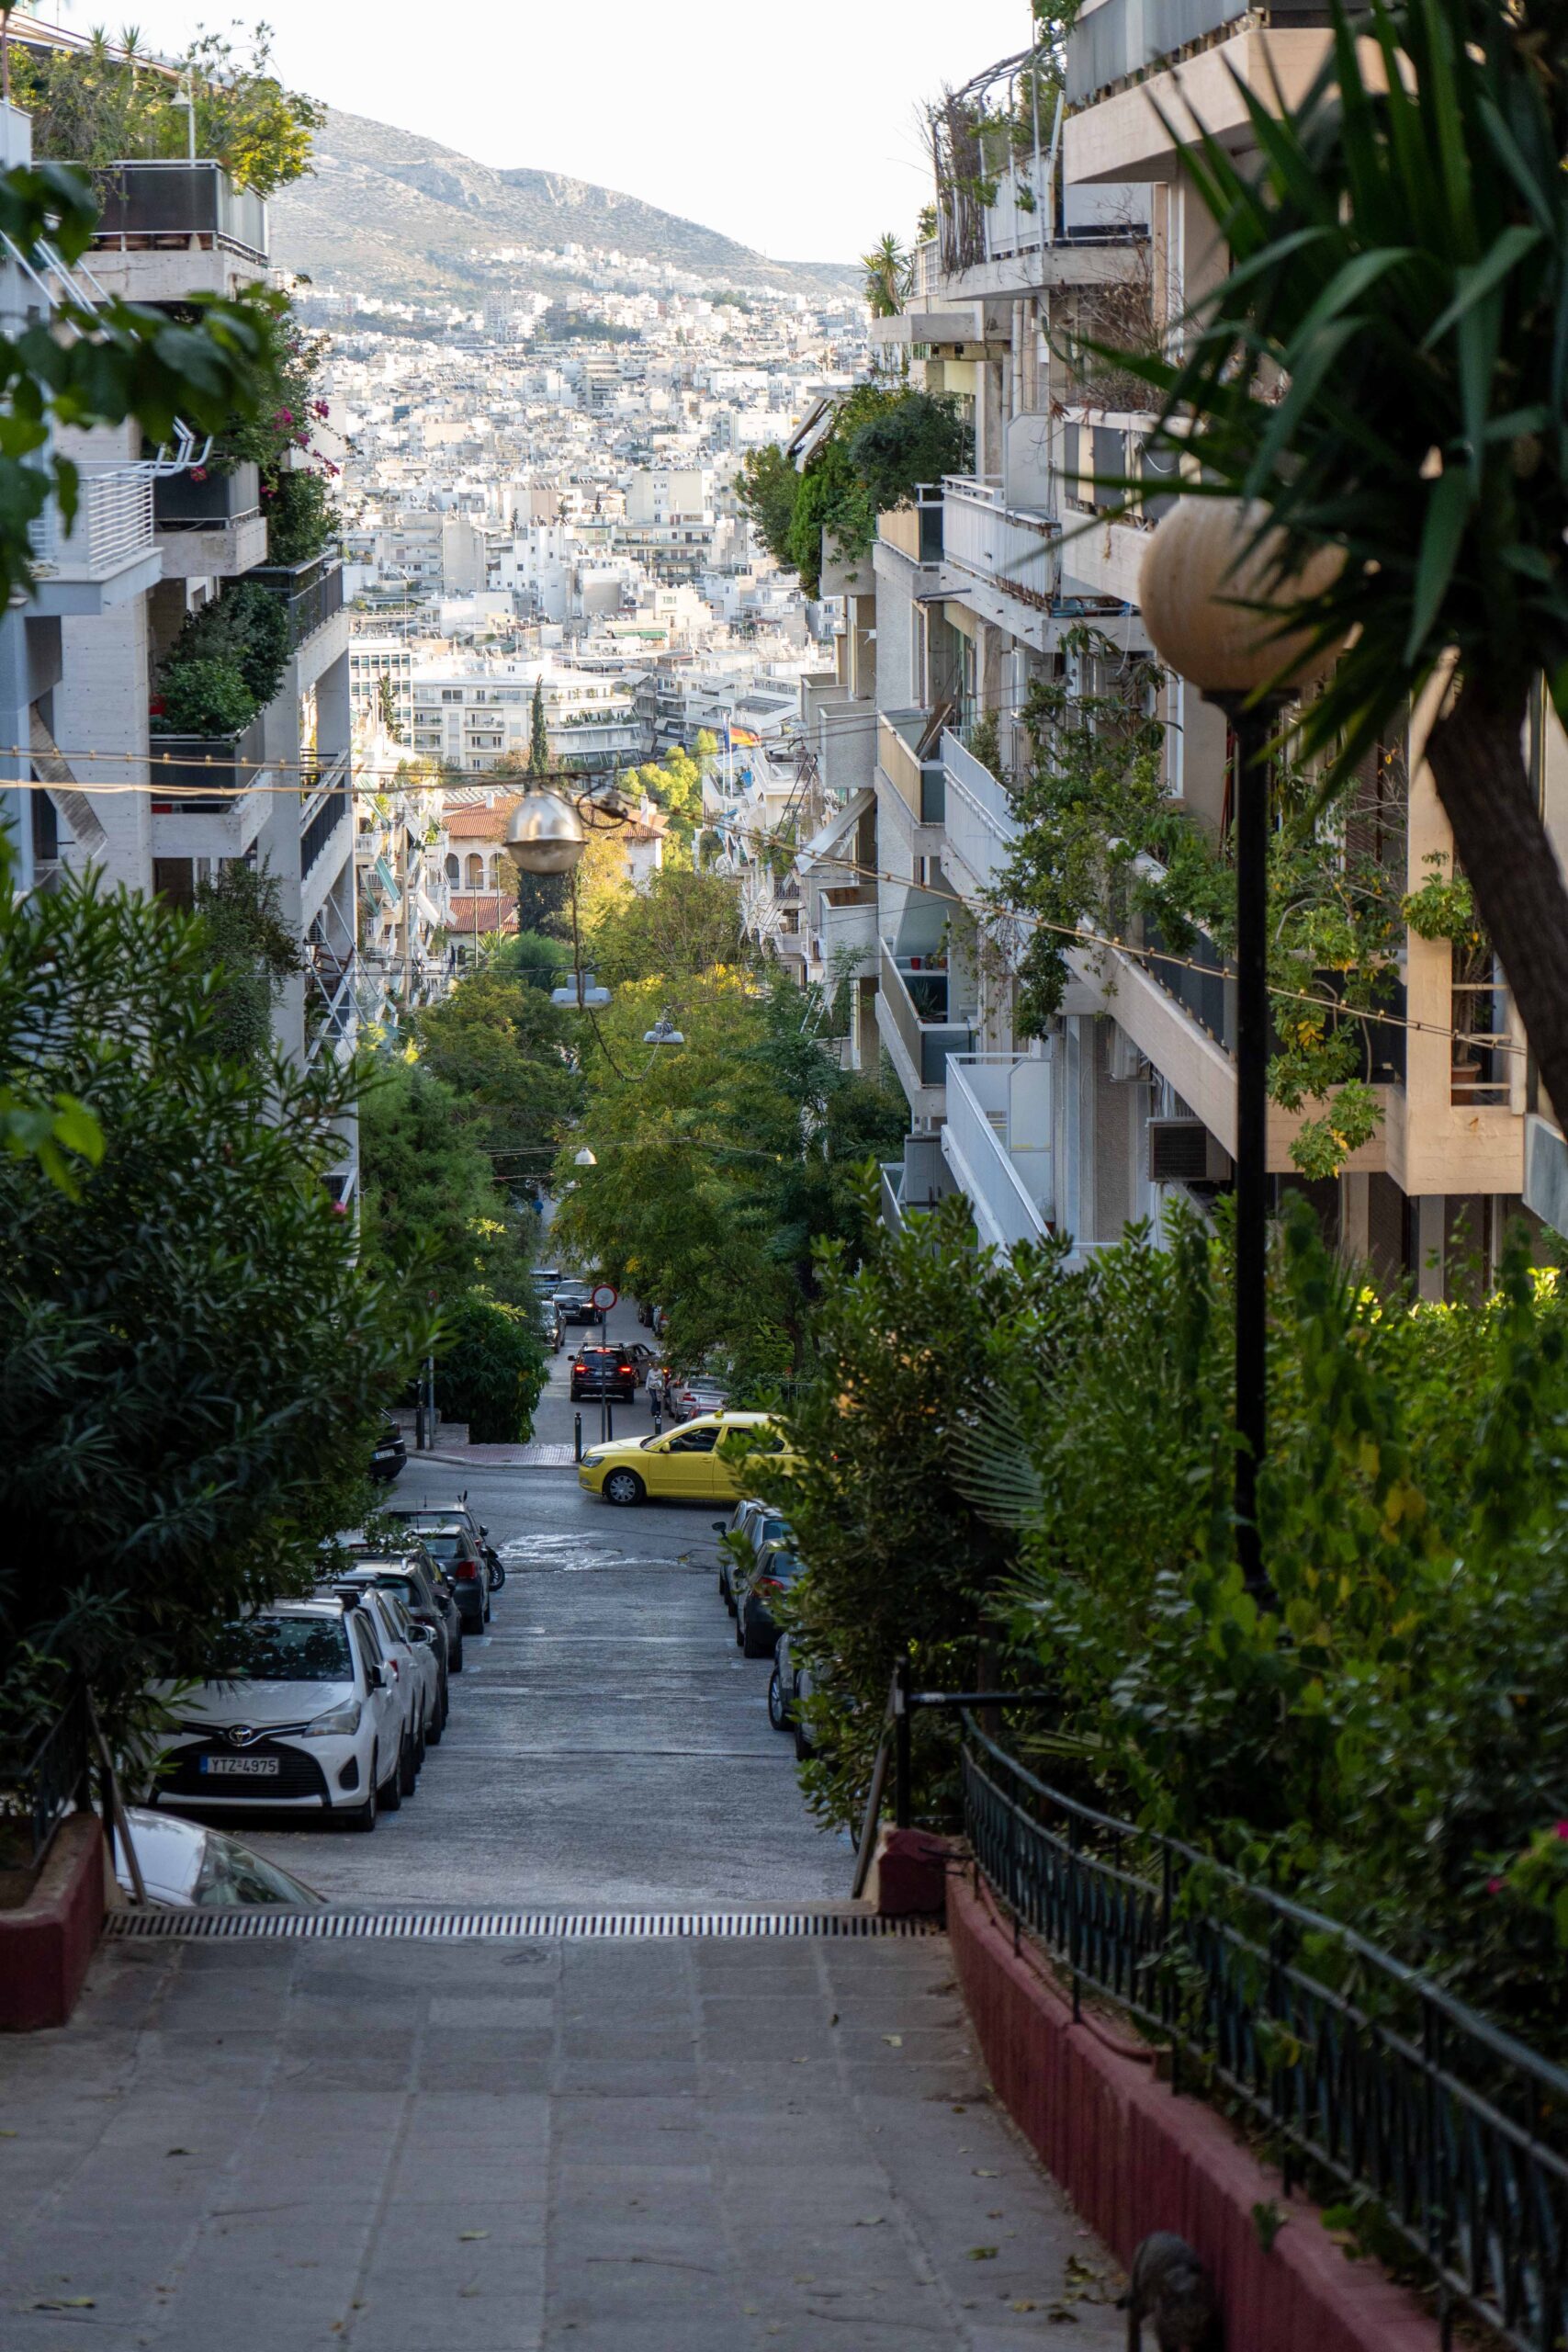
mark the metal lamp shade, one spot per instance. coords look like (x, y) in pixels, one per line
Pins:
(1212, 601)
(544, 835)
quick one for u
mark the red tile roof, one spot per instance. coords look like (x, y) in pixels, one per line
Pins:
(482, 910)
(475, 822)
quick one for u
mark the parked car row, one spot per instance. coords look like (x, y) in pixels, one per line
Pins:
(757, 1563)
(328, 1704)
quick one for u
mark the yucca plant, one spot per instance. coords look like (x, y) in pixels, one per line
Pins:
(1386, 369)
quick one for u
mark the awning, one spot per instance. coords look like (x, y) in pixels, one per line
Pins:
(826, 839)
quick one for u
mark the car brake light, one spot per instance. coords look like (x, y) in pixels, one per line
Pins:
(623, 1367)
(767, 1584)
(464, 1570)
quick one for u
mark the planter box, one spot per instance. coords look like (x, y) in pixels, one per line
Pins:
(181, 503)
(1134, 2157)
(45, 1945)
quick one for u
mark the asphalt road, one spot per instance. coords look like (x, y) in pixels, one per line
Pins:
(608, 1745)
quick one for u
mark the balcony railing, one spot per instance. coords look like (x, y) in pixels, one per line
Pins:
(1485, 1042)
(310, 593)
(1015, 551)
(981, 827)
(1122, 39)
(848, 924)
(113, 526)
(916, 997)
(186, 768)
(1010, 1182)
(145, 206)
(321, 826)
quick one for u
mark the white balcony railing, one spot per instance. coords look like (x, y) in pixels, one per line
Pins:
(1017, 551)
(113, 528)
(997, 1141)
(981, 828)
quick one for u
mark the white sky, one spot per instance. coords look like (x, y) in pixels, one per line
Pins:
(792, 129)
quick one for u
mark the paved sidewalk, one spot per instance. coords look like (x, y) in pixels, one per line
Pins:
(701, 2146)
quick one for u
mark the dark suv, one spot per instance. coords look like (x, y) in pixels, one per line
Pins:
(456, 1551)
(602, 1371)
(426, 1594)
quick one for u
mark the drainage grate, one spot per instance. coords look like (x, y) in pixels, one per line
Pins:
(449, 1926)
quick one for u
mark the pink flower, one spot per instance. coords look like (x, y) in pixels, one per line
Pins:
(339, 1208)
(321, 408)
(198, 473)
(284, 416)
(1560, 1829)
(1494, 1886)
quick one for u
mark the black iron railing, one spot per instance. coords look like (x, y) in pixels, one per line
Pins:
(310, 593)
(39, 1784)
(1353, 2063)
(323, 824)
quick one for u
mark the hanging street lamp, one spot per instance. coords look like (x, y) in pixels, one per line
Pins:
(1214, 596)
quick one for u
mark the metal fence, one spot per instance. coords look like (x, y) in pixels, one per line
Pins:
(1352, 2061)
(39, 1785)
(310, 593)
(113, 526)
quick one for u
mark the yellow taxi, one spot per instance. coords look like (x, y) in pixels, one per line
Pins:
(683, 1465)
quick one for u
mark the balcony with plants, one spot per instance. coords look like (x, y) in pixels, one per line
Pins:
(171, 224)
(211, 688)
(883, 449)
(1130, 892)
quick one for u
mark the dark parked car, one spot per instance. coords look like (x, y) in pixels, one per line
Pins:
(458, 1552)
(748, 1524)
(755, 1589)
(602, 1371)
(389, 1453)
(417, 1517)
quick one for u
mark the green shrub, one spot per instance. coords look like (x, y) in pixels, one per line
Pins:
(490, 1369)
(301, 521)
(203, 697)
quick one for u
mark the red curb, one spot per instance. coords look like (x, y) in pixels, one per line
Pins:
(1135, 2157)
(45, 1946)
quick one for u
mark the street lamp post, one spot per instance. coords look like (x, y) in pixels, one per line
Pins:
(1213, 597)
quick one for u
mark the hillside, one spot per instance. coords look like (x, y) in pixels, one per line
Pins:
(396, 214)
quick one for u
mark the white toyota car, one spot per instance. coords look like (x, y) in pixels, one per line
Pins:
(305, 1718)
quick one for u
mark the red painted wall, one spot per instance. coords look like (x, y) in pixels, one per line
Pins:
(1134, 2157)
(45, 1946)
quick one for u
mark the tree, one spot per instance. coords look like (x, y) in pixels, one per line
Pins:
(498, 1047)
(251, 952)
(720, 1161)
(193, 1361)
(889, 275)
(767, 489)
(538, 734)
(102, 366)
(1401, 263)
(682, 922)
(491, 1369)
(429, 1194)
(908, 1345)
(99, 105)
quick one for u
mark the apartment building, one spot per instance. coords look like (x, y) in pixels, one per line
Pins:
(154, 539)
(402, 856)
(471, 708)
(983, 588)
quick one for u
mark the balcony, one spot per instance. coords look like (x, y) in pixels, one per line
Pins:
(210, 794)
(209, 525)
(1012, 553)
(915, 531)
(846, 933)
(997, 1141)
(170, 229)
(108, 554)
(912, 1010)
(916, 778)
(1119, 41)
(328, 800)
(310, 593)
(981, 828)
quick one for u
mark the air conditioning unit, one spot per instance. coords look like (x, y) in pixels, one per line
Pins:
(1182, 1152)
(1122, 1059)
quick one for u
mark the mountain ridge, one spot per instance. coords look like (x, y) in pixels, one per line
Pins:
(402, 215)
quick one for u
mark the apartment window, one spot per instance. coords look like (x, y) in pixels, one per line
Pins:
(454, 871)
(451, 694)
(476, 872)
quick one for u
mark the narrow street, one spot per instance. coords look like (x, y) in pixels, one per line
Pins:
(608, 1745)
(501, 2142)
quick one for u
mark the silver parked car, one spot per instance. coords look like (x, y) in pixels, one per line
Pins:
(748, 1524)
